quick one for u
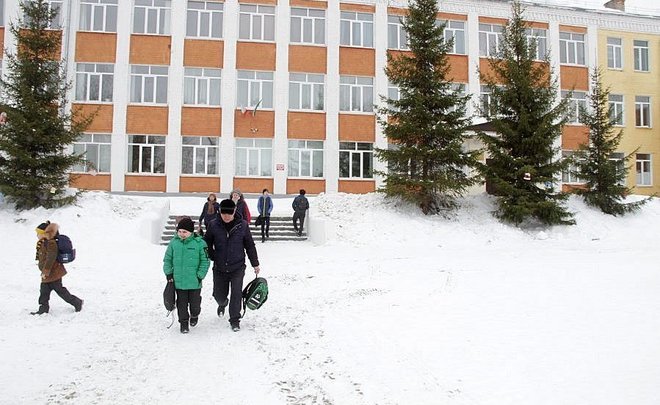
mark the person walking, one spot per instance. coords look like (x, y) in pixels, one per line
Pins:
(52, 271)
(242, 210)
(210, 211)
(185, 264)
(228, 242)
(300, 206)
(265, 207)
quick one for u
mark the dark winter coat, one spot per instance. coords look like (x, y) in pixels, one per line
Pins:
(205, 217)
(268, 202)
(242, 210)
(51, 269)
(300, 204)
(186, 260)
(228, 248)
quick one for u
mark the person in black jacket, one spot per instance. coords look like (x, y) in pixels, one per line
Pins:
(209, 212)
(300, 206)
(228, 241)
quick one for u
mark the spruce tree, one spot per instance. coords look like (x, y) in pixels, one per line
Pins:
(427, 124)
(604, 176)
(524, 163)
(35, 137)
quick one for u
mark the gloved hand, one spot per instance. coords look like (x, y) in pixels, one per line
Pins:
(170, 277)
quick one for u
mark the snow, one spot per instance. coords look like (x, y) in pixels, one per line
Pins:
(395, 308)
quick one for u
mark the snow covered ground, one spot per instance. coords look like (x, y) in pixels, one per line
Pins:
(395, 308)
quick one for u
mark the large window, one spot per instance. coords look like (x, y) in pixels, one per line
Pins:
(204, 19)
(455, 30)
(357, 29)
(490, 36)
(199, 155)
(356, 93)
(356, 160)
(254, 157)
(643, 169)
(569, 175)
(54, 6)
(2, 13)
(305, 158)
(616, 109)
(146, 154)
(571, 48)
(643, 111)
(540, 38)
(256, 23)
(94, 82)
(98, 15)
(201, 86)
(614, 53)
(577, 102)
(152, 17)
(397, 38)
(149, 84)
(96, 148)
(307, 26)
(641, 55)
(487, 105)
(255, 88)
(306, 91)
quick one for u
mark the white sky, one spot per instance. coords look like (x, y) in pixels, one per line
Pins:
(633, 6)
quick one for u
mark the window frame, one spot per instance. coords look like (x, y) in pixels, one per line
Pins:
(104, 147)
(351, 152)
(487, 34)
(150, 145)
(205, 149)
(156, 83)
(449, 27)
(262, 151)
(534, 34)
(256, 15)
(303, 81)
(643, 178)
(642, 115)
(614, 53)
(103, 78)
(576, 41)
(299, 148)
(576, 106)
(356, 22)
(641, 55)
(617, 110)
(395, 27)
(249, 101)
(213, 17)
(95, 7)
(152, 8)
(313, 21)
(207, 80)
(345, 86)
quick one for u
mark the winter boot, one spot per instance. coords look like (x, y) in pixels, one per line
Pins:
(221, 307)
(78, 305)
(184, 327)
(43, 309)
(235, 326)
(193, 321)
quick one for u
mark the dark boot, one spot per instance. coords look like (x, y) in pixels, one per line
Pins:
(78, 305)
(43, 309)
(235, 326)
(221, 307)
(193, 321)
(184, 327)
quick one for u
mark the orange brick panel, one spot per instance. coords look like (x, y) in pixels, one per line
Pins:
(90, 182)
(97, 47)
(308, 3)
(255, 56)
(487, 71)
(199, 184)
(572, 136)
(460, 68)
(358, 128)
(145, 183)
(201, 121)
(537, 24)
(357, 186)
(150, 50)
(260, 126)
(146, 120)
(2, 41)
(569, 28)
(56, 55)
(306, 125)
(452, 16)
(357, 7)
(203, 53)
(266, 2)
(574, 77)
(102, 113)
(252, 185)
(491, 20)
(357, 61)
(293, 186)
(397, 11)
(308, 59)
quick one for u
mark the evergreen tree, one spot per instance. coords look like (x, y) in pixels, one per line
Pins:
(524, 163)
(37, 132)
(605, 177)
(427, 124)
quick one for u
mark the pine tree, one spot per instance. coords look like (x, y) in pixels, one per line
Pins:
(35, 137)
(524, 162)
(604, 176)
(427, 124)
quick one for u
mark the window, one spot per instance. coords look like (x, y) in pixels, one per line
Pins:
(152, 17)
(256, 23)
(254, 157)
(54, 6)
(96, 148)
(397, 38)
(569, 175)
(571, 48)
(393, 92)
(576, 104)
(490, 37)
(98, 15)
(487, 106)
(356, 94)
(149, 84)
(199, 155)
(643, 111)
(641, 55)
(307, 26)
(455, 30)
(459, 89)
(643, 169)
(356, 160)
(204, 19)
(94, 82)
(201, 86)
(2, 12)
(356, 29)
(306, 91)
(305, 158)
(146, 154)
(618, 159)
(616, 109)
(540, 38)
(255, 88)
(614, 53)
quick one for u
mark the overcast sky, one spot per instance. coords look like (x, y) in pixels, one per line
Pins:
(633, 6)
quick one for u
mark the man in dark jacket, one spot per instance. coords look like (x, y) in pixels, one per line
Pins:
(228, 241)
(300, 206)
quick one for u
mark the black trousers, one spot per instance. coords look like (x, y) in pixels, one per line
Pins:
(265, 226)
(223, 282)
(298, 216)
(46, 288)
(186, 298)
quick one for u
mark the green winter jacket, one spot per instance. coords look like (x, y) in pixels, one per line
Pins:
(187, 260)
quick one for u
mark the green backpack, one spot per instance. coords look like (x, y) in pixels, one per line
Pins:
(255, 294)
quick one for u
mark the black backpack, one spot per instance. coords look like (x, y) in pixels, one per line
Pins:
(65, 251)
(255, 294)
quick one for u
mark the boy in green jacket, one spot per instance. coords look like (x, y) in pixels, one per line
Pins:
(185, 264)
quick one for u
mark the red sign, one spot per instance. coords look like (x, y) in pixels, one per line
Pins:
(279, 166)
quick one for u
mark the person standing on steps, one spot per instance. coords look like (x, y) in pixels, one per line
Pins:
(209, 212)
(229, 240)
(300, 206)
(265, 206)
(242, 210)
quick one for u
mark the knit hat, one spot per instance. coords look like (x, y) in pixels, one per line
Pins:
(187, 224)
(42, 227)
(227, 206)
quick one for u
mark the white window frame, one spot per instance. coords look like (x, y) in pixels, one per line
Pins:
(255, 88)
(490, 36)
(307, 26)
(568, 175)
(151, 153)
(356, 29)
(54, 24)
(97, 152)
(642, 111)
(256, 23)
(576, 103)
(306, 92)
(485, 102)
(540, 36)
(641, 55)
(616, 107)
(98, 15)
(397, 38)
(461, 88)
(94, 78)
(156, 17)
(253, 157)
(202, 86)
(305, 158)
(643, 169)
(619, 159)
(355, 94)
(204, 152)
(150, 79)
(2, 13)
(614, 53)
(455, 29)
(205, 19)
(360, 151)
(572, 48)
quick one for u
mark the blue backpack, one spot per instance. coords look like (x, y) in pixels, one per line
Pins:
(65, 251)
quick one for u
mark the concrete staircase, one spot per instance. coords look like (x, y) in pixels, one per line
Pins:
(281, 229)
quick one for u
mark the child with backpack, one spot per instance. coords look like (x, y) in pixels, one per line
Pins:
(52, 270)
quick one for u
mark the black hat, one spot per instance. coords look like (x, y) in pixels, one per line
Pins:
(187, 224)
(227, 206)
(43, 225)
(302, 191)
